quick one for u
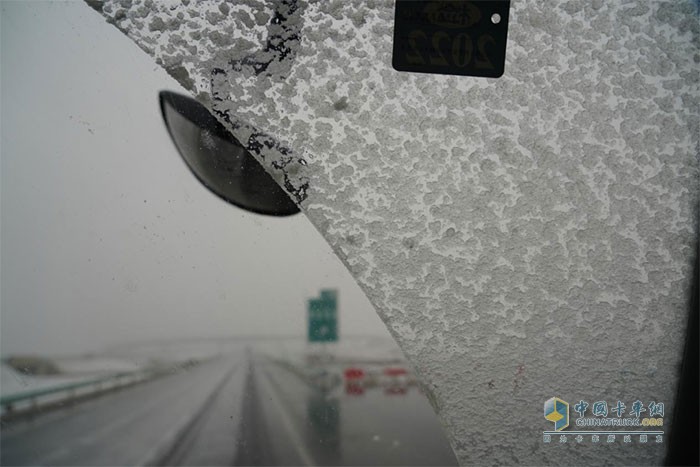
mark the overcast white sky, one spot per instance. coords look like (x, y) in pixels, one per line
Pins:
(106, 237)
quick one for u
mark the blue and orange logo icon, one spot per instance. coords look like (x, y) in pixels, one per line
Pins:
(557, 411)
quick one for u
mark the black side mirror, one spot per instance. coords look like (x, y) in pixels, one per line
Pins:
(219, 161)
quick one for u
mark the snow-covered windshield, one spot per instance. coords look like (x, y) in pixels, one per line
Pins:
(527, 240)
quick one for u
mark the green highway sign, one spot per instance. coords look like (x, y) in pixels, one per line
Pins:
(323, 317)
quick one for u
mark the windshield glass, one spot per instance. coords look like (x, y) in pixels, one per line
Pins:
(513, 185)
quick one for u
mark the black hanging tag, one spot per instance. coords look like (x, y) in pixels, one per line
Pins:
(451, 37)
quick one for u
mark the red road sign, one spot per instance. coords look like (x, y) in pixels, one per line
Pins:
(395, 371)
(354, 373)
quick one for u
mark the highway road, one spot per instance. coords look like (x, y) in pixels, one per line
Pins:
(243, 408)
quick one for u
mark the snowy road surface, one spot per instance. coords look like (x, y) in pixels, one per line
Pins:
(242, 408)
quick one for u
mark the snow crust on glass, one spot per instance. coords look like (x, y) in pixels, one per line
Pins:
(523, 237)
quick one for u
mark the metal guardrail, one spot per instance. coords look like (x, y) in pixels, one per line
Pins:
(29, 402)
(69, 391)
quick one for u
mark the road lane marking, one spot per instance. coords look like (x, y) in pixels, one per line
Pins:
(284, 416)
(175, 434)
